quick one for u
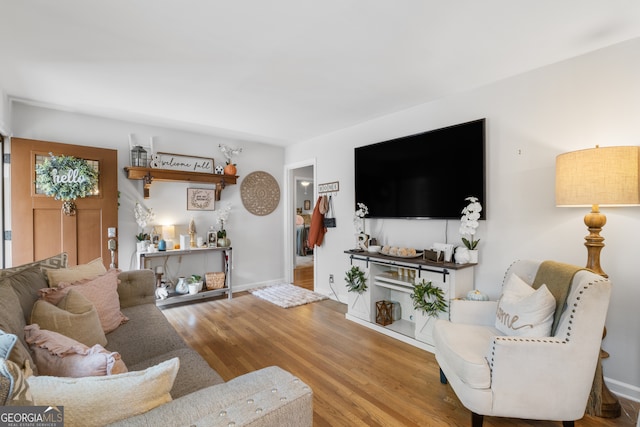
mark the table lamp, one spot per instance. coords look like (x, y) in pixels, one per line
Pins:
(168, 234)
(601, 176)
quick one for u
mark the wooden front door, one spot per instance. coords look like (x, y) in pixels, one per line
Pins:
(39, 228)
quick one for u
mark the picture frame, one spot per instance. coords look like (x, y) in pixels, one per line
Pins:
(307, 205)
(201, 199)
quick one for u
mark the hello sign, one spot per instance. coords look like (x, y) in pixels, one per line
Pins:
(71, 176)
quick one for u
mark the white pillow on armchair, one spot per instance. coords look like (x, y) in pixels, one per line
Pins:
(524, 311)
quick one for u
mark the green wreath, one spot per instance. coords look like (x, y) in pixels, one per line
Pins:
(428, 298)
(356, 280)
(66, 177)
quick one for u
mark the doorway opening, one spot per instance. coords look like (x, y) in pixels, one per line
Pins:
(300, 257)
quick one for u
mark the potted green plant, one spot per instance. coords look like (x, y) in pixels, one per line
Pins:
(142, 239)
(195, 280)
(428, 298)
(356, 280)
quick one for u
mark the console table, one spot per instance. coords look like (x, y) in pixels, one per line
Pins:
(175, 298)
(392, 279)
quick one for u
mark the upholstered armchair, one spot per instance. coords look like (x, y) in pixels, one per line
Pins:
(500, 363)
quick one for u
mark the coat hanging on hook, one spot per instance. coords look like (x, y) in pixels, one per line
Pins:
(317, 228)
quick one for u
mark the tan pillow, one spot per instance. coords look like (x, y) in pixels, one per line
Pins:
(15, 380)
(103, 400)
(13, 387)
(12, 322)
(74, 316)
(102, 291)
(54, 262)
(61, 356)
(90, 270)
(25, 284)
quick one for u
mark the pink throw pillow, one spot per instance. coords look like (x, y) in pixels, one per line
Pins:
(60, 356)
(101, 291)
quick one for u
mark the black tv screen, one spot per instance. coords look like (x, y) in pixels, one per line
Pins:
(427, 175)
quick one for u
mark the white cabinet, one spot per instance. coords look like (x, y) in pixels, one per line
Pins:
(392, 279)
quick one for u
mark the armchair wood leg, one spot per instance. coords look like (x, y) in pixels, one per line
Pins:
(476, 420)
(443, 377)
(567, 424)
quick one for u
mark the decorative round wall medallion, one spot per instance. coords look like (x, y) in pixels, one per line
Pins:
(260, 193)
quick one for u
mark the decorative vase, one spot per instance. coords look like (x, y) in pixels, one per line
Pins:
(223, 242)
(141, 246)
(182, 287)
(462, 255)
(473, 256)
(230, 169)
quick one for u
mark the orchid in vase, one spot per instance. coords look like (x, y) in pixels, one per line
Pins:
(469, 222)
(358, 217)
(362, 238)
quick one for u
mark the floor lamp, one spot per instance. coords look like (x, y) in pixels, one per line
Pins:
(607, 176)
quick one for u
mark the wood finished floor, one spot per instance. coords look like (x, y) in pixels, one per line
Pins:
(303, 277)
(359, 377)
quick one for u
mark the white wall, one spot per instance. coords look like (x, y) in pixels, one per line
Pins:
(256, 240)
(4, 113)
(531, 118)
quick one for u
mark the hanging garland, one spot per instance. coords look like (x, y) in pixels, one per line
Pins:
(66, 177)
(428, 298)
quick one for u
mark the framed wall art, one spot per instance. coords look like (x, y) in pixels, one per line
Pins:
(307, 205)
(201, 199)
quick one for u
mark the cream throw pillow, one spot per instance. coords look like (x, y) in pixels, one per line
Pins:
(74, 316)
(89, 270)
(93, 401)
(524, 311)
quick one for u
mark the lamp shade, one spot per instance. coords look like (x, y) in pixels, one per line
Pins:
(168, 232)
(605, 176)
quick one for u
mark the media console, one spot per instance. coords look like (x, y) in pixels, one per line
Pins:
(392, 279)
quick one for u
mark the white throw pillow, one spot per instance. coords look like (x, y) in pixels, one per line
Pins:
(93, 401)
(524, 311)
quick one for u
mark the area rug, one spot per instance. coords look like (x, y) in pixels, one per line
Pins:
(287, 296)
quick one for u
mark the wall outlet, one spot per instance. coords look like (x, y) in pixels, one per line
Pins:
(331, 278)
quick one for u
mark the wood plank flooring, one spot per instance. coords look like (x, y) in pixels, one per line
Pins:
(359, 377)
(303, 277)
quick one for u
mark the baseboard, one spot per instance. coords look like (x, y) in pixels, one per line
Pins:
(625, 390)
(248, 286)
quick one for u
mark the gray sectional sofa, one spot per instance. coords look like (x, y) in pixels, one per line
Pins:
(267, 397)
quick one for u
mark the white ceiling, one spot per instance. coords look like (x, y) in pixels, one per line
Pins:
(284, 71)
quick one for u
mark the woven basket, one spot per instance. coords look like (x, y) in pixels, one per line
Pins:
(215, 280)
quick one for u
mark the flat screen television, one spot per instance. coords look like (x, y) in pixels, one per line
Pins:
(427, 175)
